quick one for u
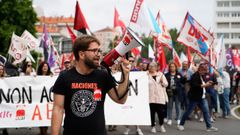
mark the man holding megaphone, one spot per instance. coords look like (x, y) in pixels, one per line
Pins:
(80, 92)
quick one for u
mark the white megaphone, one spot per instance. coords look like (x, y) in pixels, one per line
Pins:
(128, 42)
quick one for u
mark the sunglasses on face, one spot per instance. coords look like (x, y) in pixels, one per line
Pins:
(29, 65)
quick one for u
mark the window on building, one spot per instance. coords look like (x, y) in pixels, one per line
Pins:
(223, 14)
(235, 3)
(235, 35)
(223, 3)
(235, 14)
(236, 25)
(67, 46)
(223, 25)
(225, 35)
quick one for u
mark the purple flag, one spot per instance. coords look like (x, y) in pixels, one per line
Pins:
(44, 43)
(230, 65)
(51, 59)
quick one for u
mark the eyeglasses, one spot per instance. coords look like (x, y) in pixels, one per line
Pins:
(96, 50)
(131, 60)
(29, 65)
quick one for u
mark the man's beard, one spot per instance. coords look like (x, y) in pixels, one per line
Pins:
(90, 64)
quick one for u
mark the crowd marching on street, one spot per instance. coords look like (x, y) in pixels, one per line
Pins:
(76, 83)
(193, 91)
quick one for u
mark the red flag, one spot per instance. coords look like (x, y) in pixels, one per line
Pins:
(161, 57)
(176, 58)
(189, 56)
(236, 57)
(135, 51)
(73, 38)
(80, 23)
(62, 61)
(72, 35)
(118, 22)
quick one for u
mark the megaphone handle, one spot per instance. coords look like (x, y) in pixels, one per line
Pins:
(118, 82)
(127, 55)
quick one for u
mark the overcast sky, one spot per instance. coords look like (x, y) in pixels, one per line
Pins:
(99, 13)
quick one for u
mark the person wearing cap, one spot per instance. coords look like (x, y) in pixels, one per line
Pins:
(67, 64)
(197, 96)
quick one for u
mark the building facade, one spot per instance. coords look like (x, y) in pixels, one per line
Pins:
(56, 27)
(106, 36)
(227, 22)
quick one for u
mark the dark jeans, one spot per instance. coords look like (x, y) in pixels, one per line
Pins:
(159, 109)
(203, 104)
(174, 99)
(213, 99)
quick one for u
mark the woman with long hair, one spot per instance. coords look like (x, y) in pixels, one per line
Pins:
(27, 69)
(44, 69)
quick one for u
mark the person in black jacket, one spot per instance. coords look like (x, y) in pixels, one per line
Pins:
(197, 96)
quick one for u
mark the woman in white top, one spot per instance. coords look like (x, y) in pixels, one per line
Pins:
(157, 95)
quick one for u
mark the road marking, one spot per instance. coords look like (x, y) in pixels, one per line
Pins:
(233, 112)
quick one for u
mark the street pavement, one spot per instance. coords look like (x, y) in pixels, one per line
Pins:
(230, 126)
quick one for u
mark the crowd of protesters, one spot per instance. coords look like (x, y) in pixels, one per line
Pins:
(193, 91)
(186, 88)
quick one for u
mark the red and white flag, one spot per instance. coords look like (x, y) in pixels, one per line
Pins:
(33, 43)
(142, 18)
(18, 48)
(164, 37)
(195, 36)
(118, 23)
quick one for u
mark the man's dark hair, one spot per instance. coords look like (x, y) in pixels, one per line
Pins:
(82, 44)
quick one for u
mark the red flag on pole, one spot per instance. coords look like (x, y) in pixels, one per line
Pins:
(73, 38)
(176, 58)
(189, 56)
(161, 58)
(62, 61)
(80, 23)
(118, 22)
(72, 35)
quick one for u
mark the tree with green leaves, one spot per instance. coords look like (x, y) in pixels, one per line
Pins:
(15, 16)
(176, 45)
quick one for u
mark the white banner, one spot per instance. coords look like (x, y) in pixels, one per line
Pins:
(27, 102)
(136, 110)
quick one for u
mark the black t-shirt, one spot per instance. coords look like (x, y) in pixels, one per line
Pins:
(84, 101)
